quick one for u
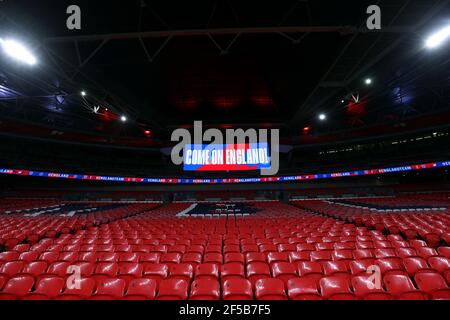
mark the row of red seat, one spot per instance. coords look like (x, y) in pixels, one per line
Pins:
(17, 228)
(430, 286)
(251, 269)
(433, 227)
(281, 252)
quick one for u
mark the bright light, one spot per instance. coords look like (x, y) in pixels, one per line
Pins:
(438, 38)
(368, 81)
(18, 51)
(123, 118)
(147, 132)
(342, 101)
(83, 93)
(322, 117)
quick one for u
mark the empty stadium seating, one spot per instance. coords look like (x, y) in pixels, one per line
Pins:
(146, 252)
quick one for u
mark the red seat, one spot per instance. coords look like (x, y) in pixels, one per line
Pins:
(231, 271)
(444, 251)
(152, 257)
(17, 287)
(426, 252)
(414, 265)
(8, 256)
(47, 288)
(440, 264)
(213, 258)
(283, 271)
(266, 248)
(270, 289)
(335, 267)
(141, 289)
(234, 258)
(183, 271)
(123, 248)
(361, 266)
(234, 248)
(58, 269)
(303, 289)
(310, 269)
(87, 256)
(406, 252)
(109, 289)
(402, 287)
(339, 255)
(255, 257)
(29, 256)
(9, 269)
(237, 289)
(305, 247)
(173, 289)
(336, 288)
(158, 249)
(350, 245)
(249, 248)
(205, 289)
(21, 247)
(365, 288)
(3, 280)
(170, 258)
(417, 243)
(105, 270)
(108, 257)
(321, 255)
(384, 253)
(180, 249)
(329, 246)
(35, 268)
(213, 249)
(274, 257)
(391, 265)
(287, 248)
(192, 258)
(256, 271)
(365, 245)
(299, 256)
(382, 244)
(196, 249)
(156, 272)
(362, 254)
(68, 256)
(129, 257)
(433, 284)
(207, 271)
(81, 289)
(129, 271)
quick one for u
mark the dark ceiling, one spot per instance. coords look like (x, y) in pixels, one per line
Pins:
(280, 63)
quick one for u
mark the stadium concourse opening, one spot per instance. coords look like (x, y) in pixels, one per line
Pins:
(334, 185)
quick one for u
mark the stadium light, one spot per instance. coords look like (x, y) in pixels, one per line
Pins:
(83, 93)
(322, 117)
(18, 51)
(438, 38)
(368, 81)
(123, 118)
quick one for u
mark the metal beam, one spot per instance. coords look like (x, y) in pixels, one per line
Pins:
(227, 31)
(427, 16)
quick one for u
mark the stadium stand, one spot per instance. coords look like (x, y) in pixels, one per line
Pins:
(145, 251)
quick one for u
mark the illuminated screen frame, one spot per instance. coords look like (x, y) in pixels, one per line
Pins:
(309, 177)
